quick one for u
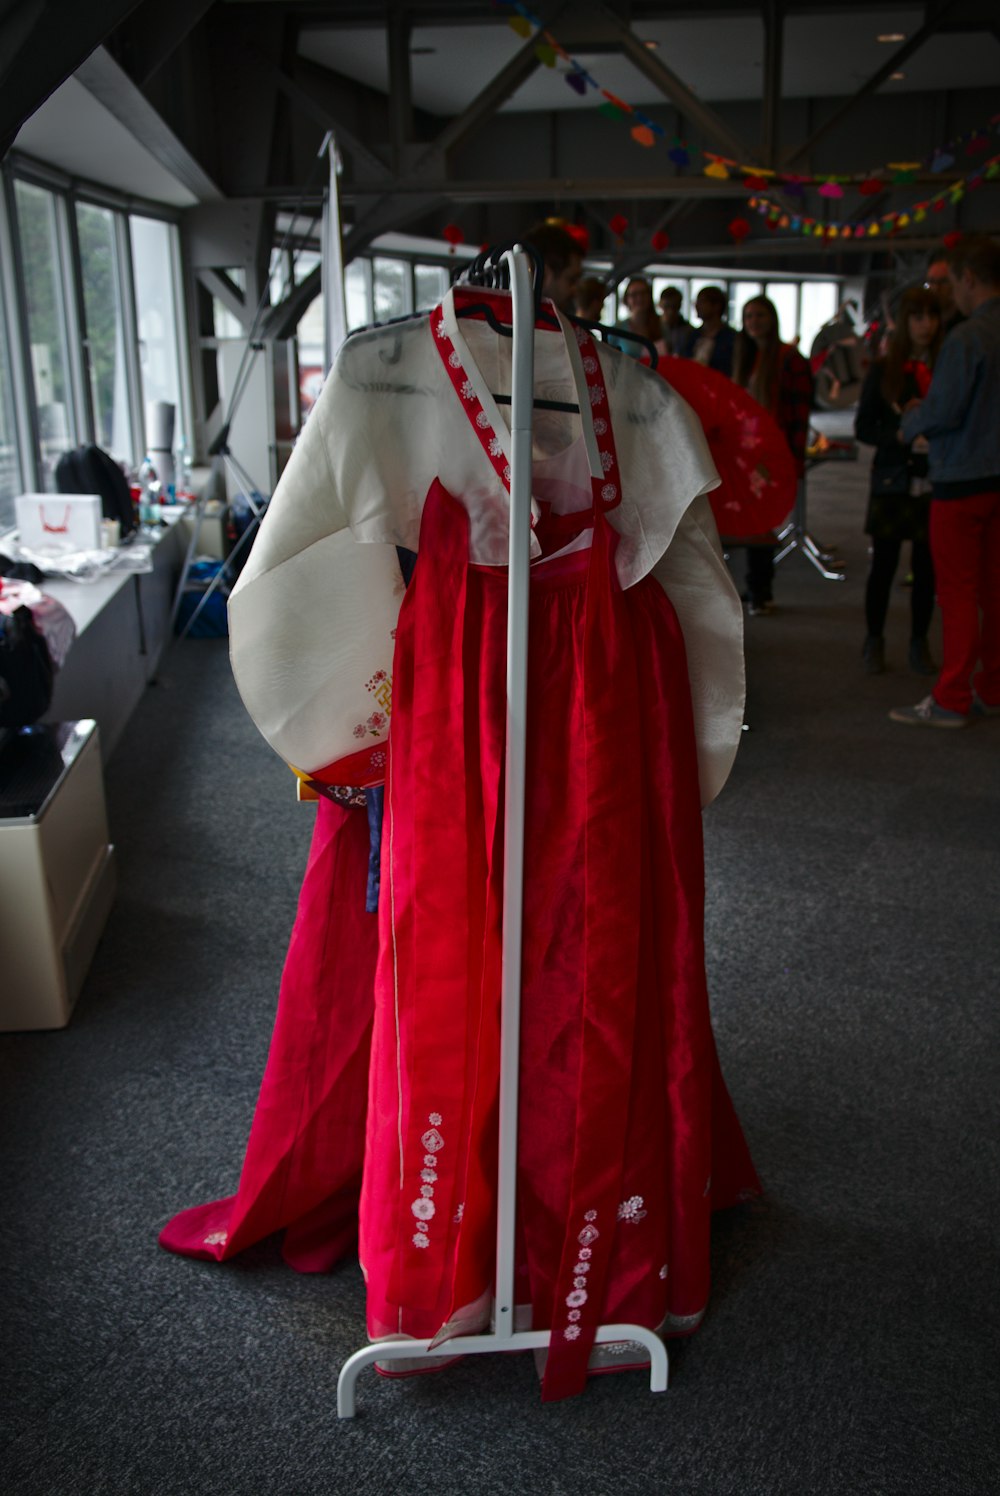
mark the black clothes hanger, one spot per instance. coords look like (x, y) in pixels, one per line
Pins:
(488, 270)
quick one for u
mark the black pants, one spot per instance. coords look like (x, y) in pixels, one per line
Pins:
(885, 559)
(760, 572)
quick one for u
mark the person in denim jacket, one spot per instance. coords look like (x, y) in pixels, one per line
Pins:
(959, 418)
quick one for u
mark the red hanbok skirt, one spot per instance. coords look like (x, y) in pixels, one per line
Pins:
(627, 1137)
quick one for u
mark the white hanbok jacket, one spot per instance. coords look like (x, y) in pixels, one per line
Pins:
(312, 618)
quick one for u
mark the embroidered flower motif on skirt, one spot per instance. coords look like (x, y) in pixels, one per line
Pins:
(607, 461)
(360, 730)
(590, 365)
(468, 390)
(460, 1212)
(506, 472)
(482, 420)
(582, 336)
(609, 492)
(596, 395)
(377, 760)
(577, 1296)
(496, 450)
(631, 1210)
(440, 332)
(600, 427)
(423, 1208)
(454, 361)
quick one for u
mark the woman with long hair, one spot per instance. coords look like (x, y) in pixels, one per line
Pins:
(899, 502)
(642, 319)
(778, 377)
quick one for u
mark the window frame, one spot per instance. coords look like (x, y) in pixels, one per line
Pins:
(67, 194)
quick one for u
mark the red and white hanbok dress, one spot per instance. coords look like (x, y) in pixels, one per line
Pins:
(627, 1137)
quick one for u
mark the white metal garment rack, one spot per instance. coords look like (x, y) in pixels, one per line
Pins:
(503, 1336)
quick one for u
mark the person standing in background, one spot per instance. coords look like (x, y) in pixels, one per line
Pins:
(590, 297)
(562, 260)
(961, 419)
(641, 319)
(676, 327)
(899, 500)
(778, 377)
(714, 341)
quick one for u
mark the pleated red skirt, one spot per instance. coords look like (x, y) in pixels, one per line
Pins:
(627, 1137)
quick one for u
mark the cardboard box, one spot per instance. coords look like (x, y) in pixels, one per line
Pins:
(59, 523)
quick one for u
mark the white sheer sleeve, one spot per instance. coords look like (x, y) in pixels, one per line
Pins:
(694, 576)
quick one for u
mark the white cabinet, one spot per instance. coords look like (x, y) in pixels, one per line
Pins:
(57, 871)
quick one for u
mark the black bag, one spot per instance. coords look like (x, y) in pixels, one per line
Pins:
(91, 470)
(26, 672)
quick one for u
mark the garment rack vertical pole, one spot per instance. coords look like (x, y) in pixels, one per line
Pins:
(503, 1336)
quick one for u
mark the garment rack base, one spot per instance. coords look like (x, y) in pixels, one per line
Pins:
(471, 1345)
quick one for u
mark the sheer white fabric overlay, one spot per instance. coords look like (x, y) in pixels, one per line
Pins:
(313, 614)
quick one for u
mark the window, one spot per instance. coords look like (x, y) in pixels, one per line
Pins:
(105, 334)
(357, 292)
(38, 233)
(391, 281)
(10, 468)
(819, 305)
(430, 282)
(154, 278)
(785, 295)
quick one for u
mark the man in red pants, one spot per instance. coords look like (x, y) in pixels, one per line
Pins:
(961, 419)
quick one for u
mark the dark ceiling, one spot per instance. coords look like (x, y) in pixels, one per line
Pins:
(441, 114)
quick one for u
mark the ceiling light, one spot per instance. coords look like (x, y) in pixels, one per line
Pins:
(896, 77)
(891, 36)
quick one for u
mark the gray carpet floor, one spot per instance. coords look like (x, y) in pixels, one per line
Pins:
(850, 1347)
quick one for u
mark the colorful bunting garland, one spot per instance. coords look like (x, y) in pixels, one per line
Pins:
(647, 132)
(776, 216)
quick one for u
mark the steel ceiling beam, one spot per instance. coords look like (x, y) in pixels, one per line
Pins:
(708, 122)
(112, 87)
(774, 36)
(398, 36)
(319, 93)
(150, 36)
